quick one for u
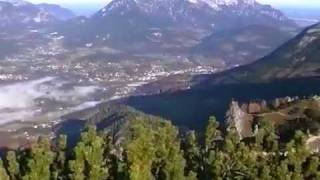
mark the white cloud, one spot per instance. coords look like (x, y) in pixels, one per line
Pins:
(21, 101)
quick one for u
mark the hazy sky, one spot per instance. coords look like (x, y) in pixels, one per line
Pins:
(305, 3)
(299, 3)
(96, 2)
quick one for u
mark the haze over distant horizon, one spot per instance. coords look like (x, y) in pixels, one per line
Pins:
(277, 3)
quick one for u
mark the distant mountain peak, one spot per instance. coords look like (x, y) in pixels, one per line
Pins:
(187, 7)
(57, 11)
(16, 2)
(212, 3)
(216, 3)
(196, 12)
(20, 15)
(165, 23)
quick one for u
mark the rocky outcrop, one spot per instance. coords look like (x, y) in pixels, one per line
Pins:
(313, 144)
(254, 108)
(242, 121)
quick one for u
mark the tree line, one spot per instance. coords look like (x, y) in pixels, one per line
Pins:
(158, 151)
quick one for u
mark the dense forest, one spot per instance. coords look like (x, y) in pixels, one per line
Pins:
(156, 149)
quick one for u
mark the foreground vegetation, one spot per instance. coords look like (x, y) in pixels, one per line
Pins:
(156, 150)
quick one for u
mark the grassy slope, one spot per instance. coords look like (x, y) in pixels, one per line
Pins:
(303, 115)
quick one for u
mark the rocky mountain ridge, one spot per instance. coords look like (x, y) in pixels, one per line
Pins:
(18, 15)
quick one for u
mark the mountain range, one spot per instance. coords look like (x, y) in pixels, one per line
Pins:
(19, 15)
(57, 11)
(244, 45)
(170, 24)
(210, 32)
(297, 58)
(291, 70)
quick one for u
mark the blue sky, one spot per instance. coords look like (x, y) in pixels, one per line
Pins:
(278, 3)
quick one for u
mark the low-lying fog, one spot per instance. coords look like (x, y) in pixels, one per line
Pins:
(28, 100)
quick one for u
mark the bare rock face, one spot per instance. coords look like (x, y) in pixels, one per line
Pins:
(244, 107)
(276, 103)
(313, 144)
(254, 108)
(240, 120)
(264, 106)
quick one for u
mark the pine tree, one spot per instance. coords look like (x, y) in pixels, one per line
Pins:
(77, 166)
(230, 145)
(13, 165)
(192, 154)
(214, 164)
(211, 158)
(140, 153)
(94, 154)
(60, 159)
(231, 141)
(153, 150)
(266, 138)
(281, 171)
(297, 154)
(265, 173)
(245, 163)
(41, 160)
(89, 157)
(211, 133)
(168, 152)
(3, 172)
(312, 170)
(191, 176)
